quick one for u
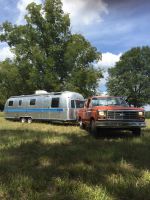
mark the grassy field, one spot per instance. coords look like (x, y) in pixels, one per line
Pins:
(42, 161)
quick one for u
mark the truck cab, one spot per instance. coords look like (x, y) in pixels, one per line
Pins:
(110, 112)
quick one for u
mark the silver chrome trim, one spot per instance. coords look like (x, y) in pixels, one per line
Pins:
(120, 124)
(123, 114)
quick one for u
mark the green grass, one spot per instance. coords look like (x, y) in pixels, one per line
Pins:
(43, 161)
(1, 114)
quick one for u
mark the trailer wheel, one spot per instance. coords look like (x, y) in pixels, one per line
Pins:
(29, 120)
(136, 132)
(23, 119)
(93, 129)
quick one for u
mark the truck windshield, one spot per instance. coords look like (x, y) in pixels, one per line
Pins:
(109, 101)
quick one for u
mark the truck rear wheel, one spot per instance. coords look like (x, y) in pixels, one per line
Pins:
(136, 131)
(93, 129)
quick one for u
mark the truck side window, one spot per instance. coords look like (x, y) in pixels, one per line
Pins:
(55, 103)
(10, 103)
(32, 102)
(72, 104)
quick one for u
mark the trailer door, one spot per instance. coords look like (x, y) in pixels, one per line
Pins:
(46, 108)
(56, 111)
(75, 105)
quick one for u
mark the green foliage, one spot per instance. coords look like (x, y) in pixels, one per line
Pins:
(79, 57)
(83, 81)
(147, 115)
(47, 55)
(131, 76)
(9, 81)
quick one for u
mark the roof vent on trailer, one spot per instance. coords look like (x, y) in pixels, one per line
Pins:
(41, 92)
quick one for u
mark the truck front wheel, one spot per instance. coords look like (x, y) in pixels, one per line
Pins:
(136, 131)
(93, 128)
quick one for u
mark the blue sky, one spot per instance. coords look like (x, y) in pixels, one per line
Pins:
(121, 25)
(113, 26)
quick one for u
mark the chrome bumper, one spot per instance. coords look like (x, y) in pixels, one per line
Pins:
(120, 124)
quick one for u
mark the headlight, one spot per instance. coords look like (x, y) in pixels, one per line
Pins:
(102, 113)
(141, 113)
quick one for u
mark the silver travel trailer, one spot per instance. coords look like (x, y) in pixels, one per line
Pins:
(54, 106)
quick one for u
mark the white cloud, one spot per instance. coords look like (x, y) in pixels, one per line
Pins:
(147, 108)
(84, 12)
(21, 6)
(108, 60)
(5, 53)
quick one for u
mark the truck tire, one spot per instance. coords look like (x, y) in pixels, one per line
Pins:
(136, 132)
(93, 129)
(81, 124)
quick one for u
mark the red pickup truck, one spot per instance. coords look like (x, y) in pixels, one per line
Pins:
(110, 112)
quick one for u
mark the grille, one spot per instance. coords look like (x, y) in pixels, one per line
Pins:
(122, 115)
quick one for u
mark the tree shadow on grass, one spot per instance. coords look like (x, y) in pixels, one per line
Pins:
(48, 165)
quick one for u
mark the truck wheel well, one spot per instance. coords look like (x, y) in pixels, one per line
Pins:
(92, 118)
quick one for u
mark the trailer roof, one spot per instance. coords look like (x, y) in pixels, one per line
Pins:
(46, 94)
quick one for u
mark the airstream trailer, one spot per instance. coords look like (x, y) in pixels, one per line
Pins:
(54, 106)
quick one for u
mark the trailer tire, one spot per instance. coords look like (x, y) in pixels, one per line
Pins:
(22, 119)
(29, 120)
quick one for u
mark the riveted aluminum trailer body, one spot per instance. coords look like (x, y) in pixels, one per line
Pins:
(55, 106)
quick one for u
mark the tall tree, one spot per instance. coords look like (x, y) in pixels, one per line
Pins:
(47, 55)
(131, 76)
(39, 45)
(9, 81)
(79, 57)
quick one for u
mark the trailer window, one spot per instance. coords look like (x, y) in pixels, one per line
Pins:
(32, 102)
(10, 103)
(55, 103)
(20, 102)
(72, 104)
(79, 104)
